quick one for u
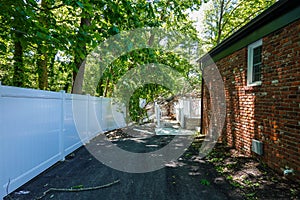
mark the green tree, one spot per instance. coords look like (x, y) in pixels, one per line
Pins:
(14, 18)
(227, 16)
(117, 16)
(44, 43)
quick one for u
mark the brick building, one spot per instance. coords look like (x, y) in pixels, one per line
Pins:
(260, 68)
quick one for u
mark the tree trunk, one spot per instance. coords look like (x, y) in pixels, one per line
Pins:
(78, 73)
(220, 22)
(42, 69)
(42, 61)
(79, 76)
(51, 71)
(18, 77)
(100, 87)
(106, 87)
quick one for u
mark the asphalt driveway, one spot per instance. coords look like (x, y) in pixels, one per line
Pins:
(187, 178)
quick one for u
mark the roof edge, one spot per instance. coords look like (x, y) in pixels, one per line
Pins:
(271, 14)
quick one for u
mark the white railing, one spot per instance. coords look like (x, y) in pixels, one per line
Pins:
(38, 129)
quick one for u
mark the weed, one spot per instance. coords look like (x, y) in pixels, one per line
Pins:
(220, 169)
(251, 196)
(231, 165)
(213, 160)
(250, 183)
(256, 184)
(293, 192)
(247, 182)
(188, 155)
(236, 184)
(205, 182)
(230, 178)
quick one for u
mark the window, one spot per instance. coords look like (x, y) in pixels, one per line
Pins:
(254, 63)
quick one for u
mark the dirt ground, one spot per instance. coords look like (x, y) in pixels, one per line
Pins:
(221, 175)
(251, 178)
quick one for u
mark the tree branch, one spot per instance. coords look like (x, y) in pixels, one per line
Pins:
(77, 190)
(230, 13)
(241, 24)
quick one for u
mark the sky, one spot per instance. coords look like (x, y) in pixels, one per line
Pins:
(198, 17)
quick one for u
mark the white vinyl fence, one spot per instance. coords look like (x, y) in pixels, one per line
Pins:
(37, 129)
(189, 108)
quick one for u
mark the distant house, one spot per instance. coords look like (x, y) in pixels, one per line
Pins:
(260, 67)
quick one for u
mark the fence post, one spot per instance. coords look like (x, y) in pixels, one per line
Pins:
(189, 105)
(0, 89)
(157, 114)
(87, 118)
(2, 193)
(102, 122)
(62, 126)
(100, 115)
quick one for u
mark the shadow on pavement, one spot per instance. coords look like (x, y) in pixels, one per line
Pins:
(187, 178)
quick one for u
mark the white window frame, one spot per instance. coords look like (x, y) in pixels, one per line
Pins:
(250, 63)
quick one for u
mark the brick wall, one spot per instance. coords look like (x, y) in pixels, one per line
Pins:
(270, 112)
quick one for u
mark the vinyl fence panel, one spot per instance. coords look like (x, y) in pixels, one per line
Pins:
(189, 108)
(30, 132)
(39, 128)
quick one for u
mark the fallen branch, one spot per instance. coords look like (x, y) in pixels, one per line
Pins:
(77, 190)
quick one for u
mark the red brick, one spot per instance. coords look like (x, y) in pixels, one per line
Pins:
(273, 106)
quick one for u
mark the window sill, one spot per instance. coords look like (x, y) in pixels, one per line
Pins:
(252, 86)
(258, 83)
